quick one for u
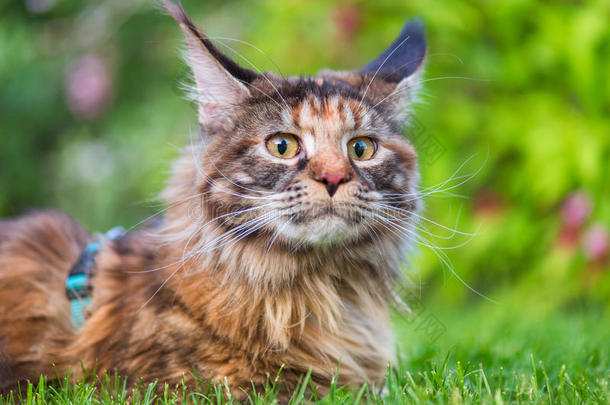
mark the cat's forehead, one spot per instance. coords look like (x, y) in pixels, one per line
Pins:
(335, 103)
(333, 113)
(325, 84)
(293, 89)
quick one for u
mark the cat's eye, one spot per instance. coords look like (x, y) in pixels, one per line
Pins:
(284, 146)
(362, 148)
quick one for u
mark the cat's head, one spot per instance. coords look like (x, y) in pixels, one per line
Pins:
(305, 161)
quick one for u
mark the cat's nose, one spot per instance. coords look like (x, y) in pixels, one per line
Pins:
(331, 181)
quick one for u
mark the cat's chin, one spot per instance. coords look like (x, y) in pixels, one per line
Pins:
(328, 229)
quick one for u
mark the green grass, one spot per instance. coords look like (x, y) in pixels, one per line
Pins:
(485, 355)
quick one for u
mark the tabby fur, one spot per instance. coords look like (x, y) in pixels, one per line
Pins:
(255, 264)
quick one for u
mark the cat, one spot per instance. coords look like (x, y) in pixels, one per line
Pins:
(280, 246)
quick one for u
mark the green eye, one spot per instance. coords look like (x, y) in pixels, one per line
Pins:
(284, 146)
(362, 148)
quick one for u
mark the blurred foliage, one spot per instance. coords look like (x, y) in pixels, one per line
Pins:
(516, 91)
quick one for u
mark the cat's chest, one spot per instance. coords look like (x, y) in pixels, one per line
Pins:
(362, 347)
(196, 323)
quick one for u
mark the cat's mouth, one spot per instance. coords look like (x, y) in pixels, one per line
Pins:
(325, 224)
(324, 212)
(329, 212)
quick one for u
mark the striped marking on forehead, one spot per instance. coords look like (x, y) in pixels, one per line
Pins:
(331, 115)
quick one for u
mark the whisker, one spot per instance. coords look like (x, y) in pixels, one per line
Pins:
(446, 54)
(131, 228)
(211, 181)
(445, 259)
(438, 188)
(210, 245)
(417, 196)
(277, 68)
(455, 77)
(253, 229)
(442, 256)
(416, 234)
(199, 230)
(160, 287)
(258, 70)
(454, 173)
(390, 207)
(278, 232)
(263, 93)
(379, 68)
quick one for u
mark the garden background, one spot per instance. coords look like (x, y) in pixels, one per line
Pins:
(516, 107)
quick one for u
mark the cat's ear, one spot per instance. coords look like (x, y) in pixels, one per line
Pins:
(404, 57)
(400, 64)
(221, 84)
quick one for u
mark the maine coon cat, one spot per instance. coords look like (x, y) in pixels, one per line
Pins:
(278, 248)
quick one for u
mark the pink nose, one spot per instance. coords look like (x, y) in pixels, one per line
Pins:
(331, 181)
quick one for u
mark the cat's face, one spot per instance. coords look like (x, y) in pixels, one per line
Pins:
(306, 161)
(315, 165)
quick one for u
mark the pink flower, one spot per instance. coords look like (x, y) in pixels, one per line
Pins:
(88, 86)
(596, 243)
(576, 209)
(348, 19)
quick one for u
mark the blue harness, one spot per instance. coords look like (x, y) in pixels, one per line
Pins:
(78, 284)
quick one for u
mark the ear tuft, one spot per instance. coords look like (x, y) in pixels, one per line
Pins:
(404, 56)
(176, 11)
(221, 84)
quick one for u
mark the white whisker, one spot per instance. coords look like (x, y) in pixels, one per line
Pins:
(199, 230)
(277, 233)
(456, 77)
(379, 69)
(211, 181)
(258, 71)
(277, 68)
(414, 236)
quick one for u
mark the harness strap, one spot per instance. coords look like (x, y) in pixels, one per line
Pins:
(78, 283)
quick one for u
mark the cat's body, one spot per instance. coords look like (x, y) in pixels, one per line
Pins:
(262, 260)
(193, 323)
